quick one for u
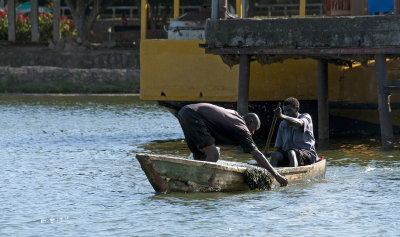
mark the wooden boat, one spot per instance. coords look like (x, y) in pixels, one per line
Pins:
(171, 174)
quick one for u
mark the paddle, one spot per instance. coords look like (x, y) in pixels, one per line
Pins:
(271, 131)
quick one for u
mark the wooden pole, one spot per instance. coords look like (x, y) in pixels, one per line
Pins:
(143, 19)
(271, 131)
(383, 103)
(243, 85)
(56, 21)
(11, 20)
(323, 104)
(35, 20)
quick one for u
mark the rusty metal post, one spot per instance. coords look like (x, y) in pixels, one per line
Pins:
(383, 103)
(323, 104)
(243, 85)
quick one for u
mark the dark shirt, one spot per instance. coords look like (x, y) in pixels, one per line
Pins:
(225, 125)
(292, 137)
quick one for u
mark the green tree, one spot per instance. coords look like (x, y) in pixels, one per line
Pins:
(85, 13)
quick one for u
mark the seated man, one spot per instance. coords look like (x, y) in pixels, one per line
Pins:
(295, 139)
(205, 125)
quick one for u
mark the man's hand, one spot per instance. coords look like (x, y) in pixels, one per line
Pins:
(278, 112)
(282, 180)
(263, 162)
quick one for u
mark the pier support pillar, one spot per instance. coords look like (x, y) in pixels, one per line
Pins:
(243, 85)
(323, 104)
(383, 103)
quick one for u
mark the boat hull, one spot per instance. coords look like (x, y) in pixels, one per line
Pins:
(171, 174)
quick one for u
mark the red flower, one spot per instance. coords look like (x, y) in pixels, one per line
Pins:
(2, 13)
(20, 17)
(91, 32)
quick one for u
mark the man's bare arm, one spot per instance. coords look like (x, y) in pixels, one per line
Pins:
(263, 162)
(292, 121)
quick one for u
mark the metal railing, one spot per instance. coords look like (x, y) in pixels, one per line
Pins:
(115, 11)
(287, 9)
(260, 10)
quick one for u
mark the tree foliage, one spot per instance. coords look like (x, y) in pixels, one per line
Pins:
(23, 26)
(85, 13)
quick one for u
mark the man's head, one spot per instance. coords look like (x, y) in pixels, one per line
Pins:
(291, 107)
(252, 122)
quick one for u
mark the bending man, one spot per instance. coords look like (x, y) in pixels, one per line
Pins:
(295, 139)
(205, 125)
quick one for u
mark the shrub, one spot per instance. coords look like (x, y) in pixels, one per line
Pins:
(23, 26)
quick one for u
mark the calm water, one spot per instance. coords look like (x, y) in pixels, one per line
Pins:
(68, 168)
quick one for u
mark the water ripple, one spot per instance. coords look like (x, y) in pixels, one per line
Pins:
(68, 168)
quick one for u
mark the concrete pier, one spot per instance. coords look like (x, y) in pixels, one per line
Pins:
(305, 33)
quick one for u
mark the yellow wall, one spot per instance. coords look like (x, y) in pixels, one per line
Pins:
(281, 80)
(182, 71)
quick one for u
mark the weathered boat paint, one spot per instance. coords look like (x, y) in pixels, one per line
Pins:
(171, 174)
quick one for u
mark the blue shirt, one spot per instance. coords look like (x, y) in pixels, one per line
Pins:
(292, 137)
